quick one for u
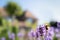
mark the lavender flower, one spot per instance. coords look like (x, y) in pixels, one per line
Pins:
(19, 34)
(51, 30)
(50, 34)
(48, 38)
(11, 36)
(58, 35)
(56, 30)
(41, 30)
(3, 38)
(58, 24)
(44, 31)
(37, 34)
(31, 34)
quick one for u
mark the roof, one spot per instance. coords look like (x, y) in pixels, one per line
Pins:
(3, 12)
(28, 14)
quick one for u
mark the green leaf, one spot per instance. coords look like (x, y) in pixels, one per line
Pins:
(55, 38)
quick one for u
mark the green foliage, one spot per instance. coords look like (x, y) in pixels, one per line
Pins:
(53, 23)
(13, 9)
(1, 21)
(55, 38)
(3, 33)
(14, 30)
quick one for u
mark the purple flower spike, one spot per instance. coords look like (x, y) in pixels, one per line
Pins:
(37, 35)
(58, 35)
(49, 34)
(31, 34)
(19, 34)
(58, 24)
(3, 38)
(56, 30)
(48, 39)
(11, 36)
(41, 30)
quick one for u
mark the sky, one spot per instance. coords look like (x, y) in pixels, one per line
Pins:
(43, 10)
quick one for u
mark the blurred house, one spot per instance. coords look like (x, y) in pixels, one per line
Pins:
(3, 13)
(27, 20)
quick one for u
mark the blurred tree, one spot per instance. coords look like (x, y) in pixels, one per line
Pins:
(0, 21)
(13, 9)
(53, 24)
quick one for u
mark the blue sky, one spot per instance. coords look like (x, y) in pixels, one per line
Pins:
(44, 10)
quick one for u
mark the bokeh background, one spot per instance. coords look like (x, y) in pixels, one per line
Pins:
(29, 20)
